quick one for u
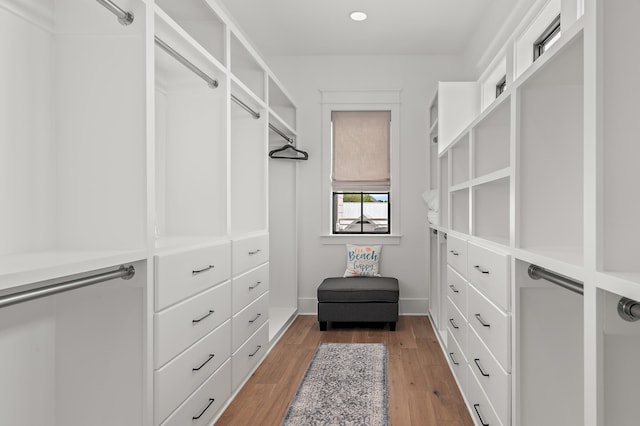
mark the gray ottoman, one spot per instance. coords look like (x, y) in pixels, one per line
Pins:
(358, 299)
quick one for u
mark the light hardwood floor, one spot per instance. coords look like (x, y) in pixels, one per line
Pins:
(422, 390)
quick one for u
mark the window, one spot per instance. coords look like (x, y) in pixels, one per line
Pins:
(360, 176)
(501, 86)
(547, 38)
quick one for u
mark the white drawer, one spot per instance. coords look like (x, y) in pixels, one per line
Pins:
(180, 275)
(495, 382)
(179, 326)
(492, 325)
(249, 252)
(457, 254)
(457, 325)
(174, 382)
(205, 402)
(488, 271)
(457, 290)
(458, 362)
(481, 410)
(249, 286)
(247, 321)
(249, 355)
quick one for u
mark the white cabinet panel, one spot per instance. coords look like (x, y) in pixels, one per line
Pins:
(249, 286)
(250, 319)
(457, 325)
(481, 409)
(492, 325)
(488, 271)
(458, 362)
(180, 275)
(249, 354)
(249, 252)
(457, 254)
(180, 377)
(180, 326)
(457, 290)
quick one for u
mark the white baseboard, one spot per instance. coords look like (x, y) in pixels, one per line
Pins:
(309, 306)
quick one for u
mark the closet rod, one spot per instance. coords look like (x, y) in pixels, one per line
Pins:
(123, 272)
(212, 82)
(629, 309)
(124, 17)
(536, 272)
(246, 107)
(281, 133)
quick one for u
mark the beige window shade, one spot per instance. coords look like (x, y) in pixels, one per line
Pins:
(361, 150)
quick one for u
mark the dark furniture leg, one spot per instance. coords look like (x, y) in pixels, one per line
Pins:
(323, 325)
(392, 326)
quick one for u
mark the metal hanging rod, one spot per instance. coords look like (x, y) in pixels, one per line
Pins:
(124, 17)
(212, 82)
(281, 133)
(246, 107)
(536, 272)
(629, 309)
(123, 272)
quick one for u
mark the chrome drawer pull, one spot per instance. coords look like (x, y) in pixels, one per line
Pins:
(251, 287)
(256, 251)
(204, 363)
(482, 321)
(484, 271)
(195, 321)
(199, 271)
(452, 287)
(476, 407)
(453, 360)
(455, 253)
(256, 351)
(255, 319)
(453, 323)
(477, 361)
(205, 409)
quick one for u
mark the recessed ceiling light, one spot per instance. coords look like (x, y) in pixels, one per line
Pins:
(358, 16)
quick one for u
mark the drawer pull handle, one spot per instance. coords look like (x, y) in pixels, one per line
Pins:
(199, 271)
(251, 287)
(255, 319)
(482, 321)
(477, 361)
(453, 323)
(256, 251)
(453, 360)
(256, 351)
(204, 363)
(479, 268)
(453, 252)
(205, 409)
(195, 321)
(453, 288)
(477, 408)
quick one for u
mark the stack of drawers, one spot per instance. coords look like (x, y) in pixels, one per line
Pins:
(192, 378)
(250, 301)
(479, 328)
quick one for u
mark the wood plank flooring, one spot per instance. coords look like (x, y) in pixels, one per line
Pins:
(422, 390)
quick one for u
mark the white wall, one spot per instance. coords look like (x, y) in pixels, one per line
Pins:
(417, 77)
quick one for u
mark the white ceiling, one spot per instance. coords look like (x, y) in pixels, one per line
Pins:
(305, 27)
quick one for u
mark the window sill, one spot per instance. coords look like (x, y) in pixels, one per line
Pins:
(329, 239)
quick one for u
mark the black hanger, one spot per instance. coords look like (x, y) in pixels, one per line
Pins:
(305, 155)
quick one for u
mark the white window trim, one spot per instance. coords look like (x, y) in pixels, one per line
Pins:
(361, 100)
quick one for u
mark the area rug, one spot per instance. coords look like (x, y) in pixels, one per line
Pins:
(345, 384)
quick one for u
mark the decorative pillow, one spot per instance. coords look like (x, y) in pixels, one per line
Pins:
(362, 261)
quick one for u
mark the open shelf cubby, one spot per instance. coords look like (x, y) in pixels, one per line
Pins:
(491, 211)
(492, 140)
(460, 210)
(620, 196)
(73, 147)
(281, 105)
(459, 154)
(444, 191)
(551, 183)
(550, 349)
(245, 68)
(191, 149)
(198, 20)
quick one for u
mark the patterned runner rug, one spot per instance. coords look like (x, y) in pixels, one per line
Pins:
(345, 384)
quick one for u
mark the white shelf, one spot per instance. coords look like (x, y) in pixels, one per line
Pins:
(491, 208)
(460, 211)
(459, 155)
(492, 140)
(245, 67)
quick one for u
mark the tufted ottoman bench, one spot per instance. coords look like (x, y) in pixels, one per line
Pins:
(358, 299)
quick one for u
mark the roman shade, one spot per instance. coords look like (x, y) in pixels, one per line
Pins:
(360, 151)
